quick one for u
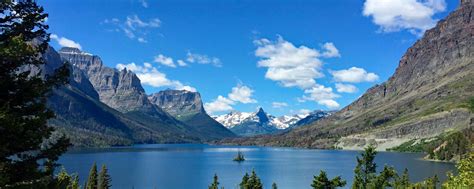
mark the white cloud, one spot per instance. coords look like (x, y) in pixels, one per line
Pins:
(164, 60)
(291, 66)
(65, 42)
(330, 50)
(279, 104)
(354, 75)
(322, 95)
(150, 76)
(395, 15)
(329, 103)
(142, 40)
(239, 94)
(346, 88)
(203, 59)
(242, 94)
(220, 104)
(144, 3)
(187, 88)
(181, 63)
(304, 111)
(134, 27)
(297, 66)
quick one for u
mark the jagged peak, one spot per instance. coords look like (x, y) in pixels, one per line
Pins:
(262, 115)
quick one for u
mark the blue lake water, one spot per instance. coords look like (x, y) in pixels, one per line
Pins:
(189, 166)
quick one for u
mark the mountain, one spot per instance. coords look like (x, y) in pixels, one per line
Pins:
(256, 123)
(120, 90)
(102, 106)
(431, 93)
(311, 118)
(187, 107)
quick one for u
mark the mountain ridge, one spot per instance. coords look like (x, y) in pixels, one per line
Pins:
(260, 122)
(103, 106)
(426, 96)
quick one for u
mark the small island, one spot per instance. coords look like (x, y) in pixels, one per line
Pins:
(240, 157)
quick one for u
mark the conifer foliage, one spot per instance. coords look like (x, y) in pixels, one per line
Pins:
(101, 180)
(215, 183)
(104, 179)
(26, 140)
(322, 182)
(251, 182)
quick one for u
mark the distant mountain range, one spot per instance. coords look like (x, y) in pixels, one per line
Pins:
(431, 94)
(103, 106)
(259, 122)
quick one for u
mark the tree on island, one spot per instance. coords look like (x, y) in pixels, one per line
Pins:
(240, 157)
(26, 140)
(322, 182)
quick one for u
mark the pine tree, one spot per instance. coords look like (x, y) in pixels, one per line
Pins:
(244, 183)
(215, 183)
(322, 182)
(104, 178)
(385, 179)
(92, 179)
(274, 186)
(254, 182)
(23, 97)
(365, 169)
(403, 181)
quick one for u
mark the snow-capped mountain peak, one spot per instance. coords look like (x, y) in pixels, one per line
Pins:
(235, 118)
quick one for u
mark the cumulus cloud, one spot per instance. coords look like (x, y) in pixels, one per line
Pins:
(181, 63)
(395, 15)
(354, 75)
(291, 66)
(65, 42)
(150, 76)
(297, 66)
(321, 95)
(242, 94)
(164, 60)
(239, 94)
(330, 51)
(346, 88)
(203, 59)
(220, 104)
(134, 27)
(279, 104)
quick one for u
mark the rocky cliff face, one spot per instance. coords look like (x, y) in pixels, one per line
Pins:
(120, 90)
(429, 94)
(178, 102)
(187, 107)
(102, 106)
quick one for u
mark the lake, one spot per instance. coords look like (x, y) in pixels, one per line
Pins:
(190, 166)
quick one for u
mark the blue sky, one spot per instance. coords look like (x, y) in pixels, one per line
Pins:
(285, 56)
